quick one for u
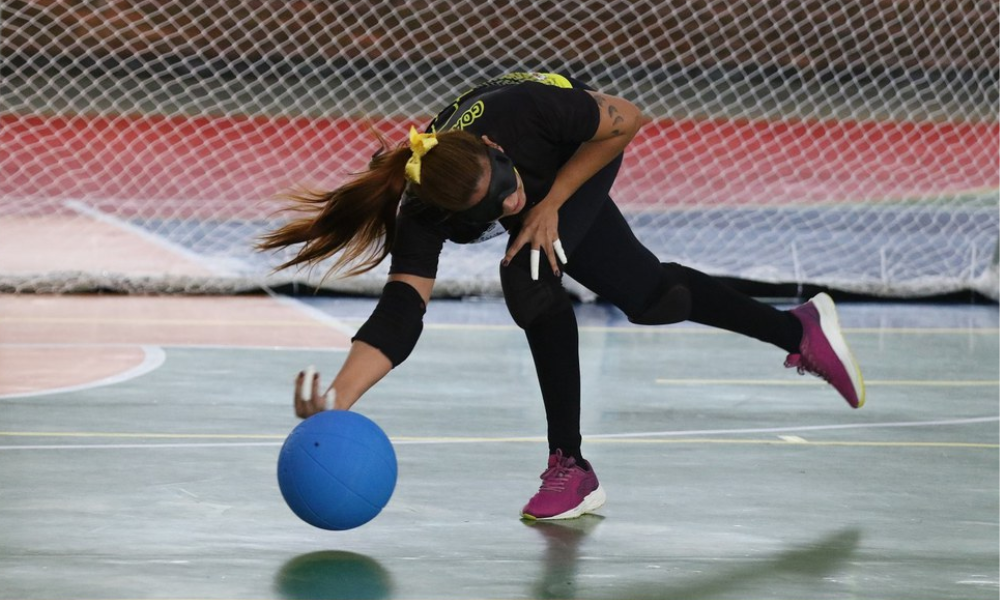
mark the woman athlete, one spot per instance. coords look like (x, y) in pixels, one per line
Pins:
(534, 155)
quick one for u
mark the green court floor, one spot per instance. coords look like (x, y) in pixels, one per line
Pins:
(728, 476)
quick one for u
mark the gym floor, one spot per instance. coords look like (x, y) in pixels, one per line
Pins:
(139, 439)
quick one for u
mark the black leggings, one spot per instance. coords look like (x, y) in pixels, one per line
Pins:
(606, 258)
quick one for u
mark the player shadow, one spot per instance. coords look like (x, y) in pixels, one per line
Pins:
(562, 541)
(333, 575)
(563, 538)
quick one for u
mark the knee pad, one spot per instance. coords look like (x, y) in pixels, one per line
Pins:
(672, 301)
(528, 300)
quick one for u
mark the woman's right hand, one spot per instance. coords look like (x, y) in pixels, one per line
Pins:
(308, 400)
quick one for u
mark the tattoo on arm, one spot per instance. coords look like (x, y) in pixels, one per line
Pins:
(616, 114)
(616, 119)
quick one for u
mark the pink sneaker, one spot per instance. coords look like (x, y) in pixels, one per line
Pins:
(824, 352)
(567, 491)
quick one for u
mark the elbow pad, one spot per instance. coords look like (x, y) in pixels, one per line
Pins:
(395, 325)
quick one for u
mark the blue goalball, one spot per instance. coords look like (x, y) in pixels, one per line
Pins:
(337, 470)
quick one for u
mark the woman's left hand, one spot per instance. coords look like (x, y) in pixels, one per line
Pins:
(541, 230)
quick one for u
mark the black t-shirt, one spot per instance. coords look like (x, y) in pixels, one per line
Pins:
(538, 119)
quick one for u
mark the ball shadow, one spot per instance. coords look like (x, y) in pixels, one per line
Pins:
(333, 575)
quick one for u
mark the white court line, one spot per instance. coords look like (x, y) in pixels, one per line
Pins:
(288, 349)
(815, 381)
(153, 358)
(212, 266)
(84, 209)
(138, 446)
(799, 428)
(405, 441)
(309, 311)
(705, 330)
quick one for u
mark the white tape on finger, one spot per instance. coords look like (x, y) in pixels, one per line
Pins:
(305, 390)
(557, 246)
(535, 257)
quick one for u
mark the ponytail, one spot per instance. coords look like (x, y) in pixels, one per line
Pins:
(357, 219)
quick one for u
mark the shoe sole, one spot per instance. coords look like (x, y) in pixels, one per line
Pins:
(830, 324)
(591, 502)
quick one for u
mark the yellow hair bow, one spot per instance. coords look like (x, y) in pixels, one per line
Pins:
(420, 144)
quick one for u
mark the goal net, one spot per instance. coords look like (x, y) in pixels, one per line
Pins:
(849, 144)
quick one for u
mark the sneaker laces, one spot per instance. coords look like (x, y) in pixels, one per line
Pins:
(804, 366)
(555, 477)
(806, 314)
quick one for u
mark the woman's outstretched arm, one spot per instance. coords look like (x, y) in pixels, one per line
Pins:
(364, 366)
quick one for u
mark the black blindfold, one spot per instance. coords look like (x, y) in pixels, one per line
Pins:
(503, 183)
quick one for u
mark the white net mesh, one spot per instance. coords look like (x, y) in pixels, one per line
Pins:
(844, 143)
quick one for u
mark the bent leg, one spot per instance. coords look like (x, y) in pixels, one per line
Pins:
(611, 262)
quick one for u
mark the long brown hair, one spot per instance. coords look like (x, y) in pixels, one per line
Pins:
(358, 219)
